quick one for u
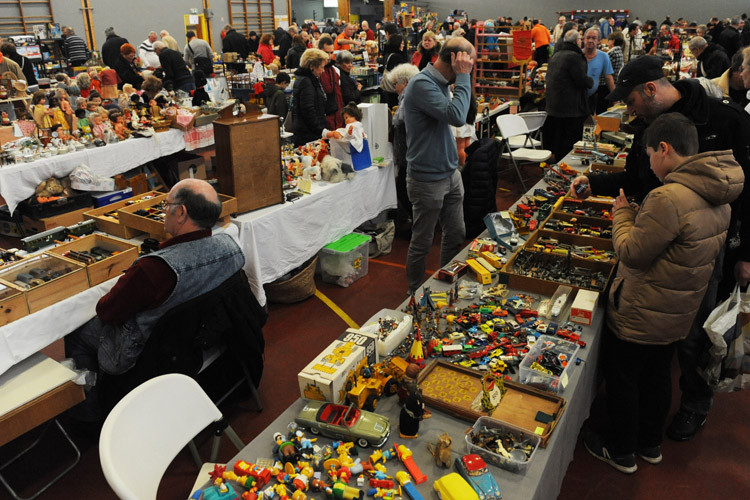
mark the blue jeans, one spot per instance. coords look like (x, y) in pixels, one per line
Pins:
(432, 202)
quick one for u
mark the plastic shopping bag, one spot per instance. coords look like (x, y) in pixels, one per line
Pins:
(722, 328)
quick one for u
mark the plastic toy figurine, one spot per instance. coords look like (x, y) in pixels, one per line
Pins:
(6, 120)
(285, 450)
(342, 491)
(353, 132)
(442, 450)
(405, 481)
(405, 456)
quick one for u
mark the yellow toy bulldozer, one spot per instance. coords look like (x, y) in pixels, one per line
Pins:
(366, 384)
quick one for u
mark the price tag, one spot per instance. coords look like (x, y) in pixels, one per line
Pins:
(495, 395)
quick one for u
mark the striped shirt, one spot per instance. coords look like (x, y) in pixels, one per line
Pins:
(147, 55)
(76, 49)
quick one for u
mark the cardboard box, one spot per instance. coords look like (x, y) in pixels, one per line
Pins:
(366, 340)
(324, 378)
(584, 305)
(375, 123)
(105, 269)
(109, 197)
(192, 168)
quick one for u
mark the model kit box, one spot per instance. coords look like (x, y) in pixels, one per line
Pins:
(584, 305)
(324, 378)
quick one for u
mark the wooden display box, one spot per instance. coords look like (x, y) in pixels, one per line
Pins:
(548, 287)
(12, 305)
(575, 239)
(155, 228)
(111, 225)
(38, 297)
(454, 389)
(62, 220)
(248, 160)
(105, 269)
(592, 221)
(587, 203)
(603, 168)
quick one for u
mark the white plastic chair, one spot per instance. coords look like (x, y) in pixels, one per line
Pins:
(148, 428)
(534, 121)
(512, 126)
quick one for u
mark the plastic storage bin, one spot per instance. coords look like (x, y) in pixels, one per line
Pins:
(536, 378)
(387, 344)
(345, 260)
(517, 460)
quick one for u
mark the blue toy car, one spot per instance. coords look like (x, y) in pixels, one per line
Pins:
(474, 470)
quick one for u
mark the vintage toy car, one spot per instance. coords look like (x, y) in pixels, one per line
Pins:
(474, 470)
(454, 487)
(347, 423)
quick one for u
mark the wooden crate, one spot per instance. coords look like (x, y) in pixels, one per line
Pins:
(62, 220)
(587, 203)
(602, 168)
(12, 305)
(111, 225)
(105, 269)
(72, 282)
(155, 228)
(248, 160)
(454, 389)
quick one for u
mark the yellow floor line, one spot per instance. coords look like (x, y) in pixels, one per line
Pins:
(341, 314)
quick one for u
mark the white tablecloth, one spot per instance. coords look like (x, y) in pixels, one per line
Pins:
(277, 239)
(17, 182)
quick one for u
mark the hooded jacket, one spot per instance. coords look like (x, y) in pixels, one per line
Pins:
(568, 83)
(721, 125)
(668, 248)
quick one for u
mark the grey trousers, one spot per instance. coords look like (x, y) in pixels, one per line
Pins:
(432, 202)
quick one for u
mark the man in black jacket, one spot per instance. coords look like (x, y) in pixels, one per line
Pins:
(175, 69)
(234, 42)
(567, 96)
(721, 125)
(730, 37)
(111, 47)
(712, 58)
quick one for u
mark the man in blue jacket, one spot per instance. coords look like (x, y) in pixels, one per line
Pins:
(432, 179)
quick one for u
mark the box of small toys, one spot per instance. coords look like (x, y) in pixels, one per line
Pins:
(107, 218)
(105, 257)
(12, 304)
(45, 279)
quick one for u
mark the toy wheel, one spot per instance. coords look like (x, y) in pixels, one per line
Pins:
(348, 386)
(371, 403)
(390, 387)
(362, 442)
(314, 430)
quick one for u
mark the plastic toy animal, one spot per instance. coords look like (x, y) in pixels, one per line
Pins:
(442, 450)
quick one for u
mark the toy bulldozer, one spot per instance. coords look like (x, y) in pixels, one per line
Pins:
(366, 384)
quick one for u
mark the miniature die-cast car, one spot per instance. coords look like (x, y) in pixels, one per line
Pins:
(474, 470)
(454, 487)
(347, 423)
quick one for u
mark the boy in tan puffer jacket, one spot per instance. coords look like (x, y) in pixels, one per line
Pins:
(667, 251)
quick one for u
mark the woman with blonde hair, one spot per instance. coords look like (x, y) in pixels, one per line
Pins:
(308, 98)
(427, 50)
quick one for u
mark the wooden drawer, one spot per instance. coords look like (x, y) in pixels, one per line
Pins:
(107, 219)
(105, 269)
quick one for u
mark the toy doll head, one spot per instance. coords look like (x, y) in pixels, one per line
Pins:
(91, 106)
(39, 97)
(97, 118)
(96, 98)
(83, 80)
(351, 113)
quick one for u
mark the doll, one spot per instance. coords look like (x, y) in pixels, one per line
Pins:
(41, 112)
(101, 125)
(121, 128)
(352, 132)
(6, 119)
(413, 410)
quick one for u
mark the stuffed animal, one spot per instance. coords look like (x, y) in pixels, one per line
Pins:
(333, 170)
(312, 172)
(442, 450)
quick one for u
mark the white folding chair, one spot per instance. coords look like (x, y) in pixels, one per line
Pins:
(514, 126)
(148, 428)
(534, 121)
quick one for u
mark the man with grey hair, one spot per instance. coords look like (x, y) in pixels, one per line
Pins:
(566, 95)
(169, 40)
(600, 69)
(711, 58)
(557, 33)
(111, 47)
(174, 67)
(730, 37)
(149, 58)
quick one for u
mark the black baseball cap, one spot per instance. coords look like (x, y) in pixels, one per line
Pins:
(640, 70)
